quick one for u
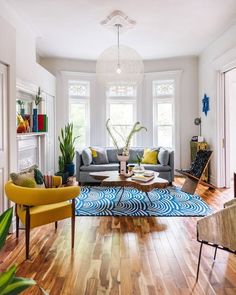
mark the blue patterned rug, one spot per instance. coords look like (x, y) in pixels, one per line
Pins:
(102, 201)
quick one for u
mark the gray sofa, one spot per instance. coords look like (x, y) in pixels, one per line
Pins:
(84, 167)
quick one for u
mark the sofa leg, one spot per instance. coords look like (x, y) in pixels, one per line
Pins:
(73, 224)
(56, 225)
(27, 232)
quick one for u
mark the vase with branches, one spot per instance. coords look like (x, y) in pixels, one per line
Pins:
(113, 132)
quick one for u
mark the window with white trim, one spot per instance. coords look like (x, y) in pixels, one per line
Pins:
(79, 94)
(121, 109)
(163, 119)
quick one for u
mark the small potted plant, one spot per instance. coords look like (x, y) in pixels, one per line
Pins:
(67, 141)
(64, 175)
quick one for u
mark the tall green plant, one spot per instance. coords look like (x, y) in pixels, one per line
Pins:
(9, 283)
(67, 141)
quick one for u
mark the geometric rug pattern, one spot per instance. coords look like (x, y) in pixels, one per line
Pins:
(171, 201)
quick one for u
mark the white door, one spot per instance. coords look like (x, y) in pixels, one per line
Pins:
(230, 125)
(3, 137)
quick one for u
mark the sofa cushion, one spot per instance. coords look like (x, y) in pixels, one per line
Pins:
(163, 156)
(133, 154)
(112, 155)
(102, 167)
(157, 168)
(99, 155)
(150, 156)
(87, 156)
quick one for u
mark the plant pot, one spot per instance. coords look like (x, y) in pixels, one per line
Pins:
(64, 176)
(70, 168)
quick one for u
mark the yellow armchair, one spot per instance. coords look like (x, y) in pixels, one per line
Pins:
(40, 206)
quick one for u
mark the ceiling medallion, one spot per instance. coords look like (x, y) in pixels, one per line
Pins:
(119, 64)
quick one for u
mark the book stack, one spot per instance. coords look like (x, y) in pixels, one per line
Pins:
(42, 123)
(142, 177)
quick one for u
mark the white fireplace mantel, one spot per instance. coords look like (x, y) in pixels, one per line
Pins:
(31, 149)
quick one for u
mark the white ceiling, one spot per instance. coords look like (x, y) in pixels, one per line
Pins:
(165, 28)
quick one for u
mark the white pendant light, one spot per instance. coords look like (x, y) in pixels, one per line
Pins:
(119, 64)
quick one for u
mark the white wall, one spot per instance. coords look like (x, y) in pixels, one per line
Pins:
(188, 98)
(213, 59)
(27, 68)
(8, 57)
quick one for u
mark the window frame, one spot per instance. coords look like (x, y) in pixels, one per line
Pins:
(85, 100)
(162, 99)
(121, 100)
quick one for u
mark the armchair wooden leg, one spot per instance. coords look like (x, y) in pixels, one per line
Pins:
(17, 222)
(73, 224)
(215, 252)
(56, 225)
(199, 261)
(27, 232)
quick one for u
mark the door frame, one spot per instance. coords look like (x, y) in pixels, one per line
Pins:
(222, 140)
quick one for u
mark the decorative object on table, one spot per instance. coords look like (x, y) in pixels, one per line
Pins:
(119, 64)
(205, 104)
(194, 148)
(66, 143)
(171, 201)
(199, 138)
(123, 163)
(42, 123)
(21, 103)
(218, 231)
(126, 141)
(64, 174)
(193, 176)
(9, 283)
(21, 128)
(35, 120)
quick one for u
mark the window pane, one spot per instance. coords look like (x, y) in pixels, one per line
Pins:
(78, 117)
(79, 88)
(164, 113)
(121, 90)
(121, 113)
(163, 87)
(164, 136)
(122, 119)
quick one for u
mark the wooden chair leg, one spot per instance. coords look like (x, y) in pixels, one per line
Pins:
(73, 224)
(27, 232)
(190, 185)
(215, 252)
(56, 225)
(199, 261)
(17, 222)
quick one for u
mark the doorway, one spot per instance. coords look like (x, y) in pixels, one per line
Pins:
(3, 136)
(230, 126)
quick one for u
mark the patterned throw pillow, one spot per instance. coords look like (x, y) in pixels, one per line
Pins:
(31, 177)
(99, 155)
(150, 156)
(24, 179)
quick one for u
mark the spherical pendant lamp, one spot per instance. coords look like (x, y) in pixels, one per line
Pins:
(119, 64)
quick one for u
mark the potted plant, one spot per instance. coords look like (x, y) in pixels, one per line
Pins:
(37, 100)
(123, 152)
(64, 174)
(67, 141)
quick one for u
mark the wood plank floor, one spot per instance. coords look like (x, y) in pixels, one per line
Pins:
(124, 256)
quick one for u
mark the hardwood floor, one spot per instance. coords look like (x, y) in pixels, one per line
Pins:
(124, 256)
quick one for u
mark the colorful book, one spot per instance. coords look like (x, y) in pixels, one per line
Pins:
(42, 123)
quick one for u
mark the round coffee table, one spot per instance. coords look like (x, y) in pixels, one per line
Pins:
(112, 178)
